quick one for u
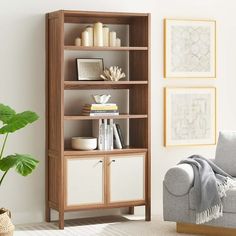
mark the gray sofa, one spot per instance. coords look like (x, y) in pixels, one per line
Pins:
(178, 197)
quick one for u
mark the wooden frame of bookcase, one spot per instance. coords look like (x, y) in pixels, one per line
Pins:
(139, 99)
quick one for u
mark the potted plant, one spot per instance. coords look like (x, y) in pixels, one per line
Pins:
(24, 164)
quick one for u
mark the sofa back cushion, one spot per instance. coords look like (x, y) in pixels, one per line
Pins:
(226, 152)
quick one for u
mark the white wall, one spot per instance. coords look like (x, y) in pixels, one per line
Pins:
(22, 68)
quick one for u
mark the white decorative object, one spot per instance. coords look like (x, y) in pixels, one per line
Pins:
(78, 42)
(98, 34)
(105, 36)
(85, 38)
(84, 143)
(190, 48)
(101, 98)
(89, 29)
(114, 73)
(112, 39)
(118, 42)
(190, 117)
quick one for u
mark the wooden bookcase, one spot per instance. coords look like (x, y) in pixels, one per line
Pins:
(126, 182)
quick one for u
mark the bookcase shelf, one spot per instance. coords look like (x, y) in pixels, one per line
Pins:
(100, 152)
(81, 48)
(69, 85)
(70, 172)
(118, 117)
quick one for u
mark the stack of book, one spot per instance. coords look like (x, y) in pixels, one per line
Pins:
(107, 109)
(108, 134)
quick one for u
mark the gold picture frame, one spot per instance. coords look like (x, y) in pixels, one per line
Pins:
(190, 116)
(189, 48)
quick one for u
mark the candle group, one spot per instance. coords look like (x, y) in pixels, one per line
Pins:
(98, 35)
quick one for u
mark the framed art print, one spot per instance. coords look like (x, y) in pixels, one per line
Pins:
(89, 68)
(190, 48)
(190, 116)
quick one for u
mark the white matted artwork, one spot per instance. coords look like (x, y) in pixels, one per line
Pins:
(190, 48)
(89, 68)
(190, 116)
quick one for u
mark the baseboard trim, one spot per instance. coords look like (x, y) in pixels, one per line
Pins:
(204, 229)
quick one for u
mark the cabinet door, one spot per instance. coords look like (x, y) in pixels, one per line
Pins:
(85, 181)
(127, 178)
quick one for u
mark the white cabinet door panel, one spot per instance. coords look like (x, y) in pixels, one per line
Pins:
(127, 178)
(85, 181)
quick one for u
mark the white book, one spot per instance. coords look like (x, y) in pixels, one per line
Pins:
(103, 114)
(97, 132)
(101, 104)
(105, 134)
(117, 142)
(103, 130)
(110, 134)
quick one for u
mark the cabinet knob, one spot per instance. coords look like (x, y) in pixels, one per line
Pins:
(97, 163)
(112, 161)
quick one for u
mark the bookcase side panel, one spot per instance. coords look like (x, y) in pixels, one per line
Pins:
(139, 69)
(138, 65)
(138, 33)
(55, 108)
(138, 133)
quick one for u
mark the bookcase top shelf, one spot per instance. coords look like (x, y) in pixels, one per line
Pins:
(94, 16)
(100, 152)
(82, 48)
(121, 116)
(102, 84)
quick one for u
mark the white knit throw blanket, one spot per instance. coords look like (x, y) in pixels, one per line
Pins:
(210, 185)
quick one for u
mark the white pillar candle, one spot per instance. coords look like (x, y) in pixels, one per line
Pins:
(105, 36)
(89, 29)
(98, 35)
(85, 38)
(78, 42)
(118, 42)
(112, 39)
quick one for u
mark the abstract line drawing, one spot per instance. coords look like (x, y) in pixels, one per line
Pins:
(190, 48)
(190, 116)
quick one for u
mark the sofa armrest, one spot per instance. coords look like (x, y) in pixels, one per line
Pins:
(179, 179)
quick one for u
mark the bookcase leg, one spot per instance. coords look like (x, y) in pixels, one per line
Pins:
(148, 212)
(61, 220)
(131, 210)
(48, 214)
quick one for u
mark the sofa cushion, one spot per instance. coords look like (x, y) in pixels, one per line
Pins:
(229, 202)
(226, 152)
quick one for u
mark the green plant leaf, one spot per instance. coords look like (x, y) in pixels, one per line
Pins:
(23, 163)
(6, 113)
(19, 121)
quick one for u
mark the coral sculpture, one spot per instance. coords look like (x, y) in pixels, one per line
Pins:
(114, 73)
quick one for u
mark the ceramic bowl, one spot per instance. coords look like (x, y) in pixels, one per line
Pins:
(84, 143)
